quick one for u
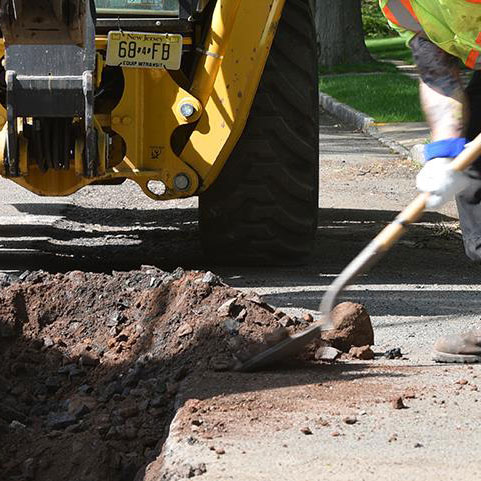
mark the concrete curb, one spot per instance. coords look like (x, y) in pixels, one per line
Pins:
(359, 121)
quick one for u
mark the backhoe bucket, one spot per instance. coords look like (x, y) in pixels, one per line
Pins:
(49, 76)
(53, 22)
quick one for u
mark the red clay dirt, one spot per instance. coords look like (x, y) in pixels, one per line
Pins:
(91, 364)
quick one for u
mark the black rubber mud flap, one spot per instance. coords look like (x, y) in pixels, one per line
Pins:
(263, 207)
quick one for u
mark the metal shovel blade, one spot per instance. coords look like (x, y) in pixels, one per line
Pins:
(282, 350)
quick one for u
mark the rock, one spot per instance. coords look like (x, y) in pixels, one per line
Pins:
(189, 471)
(221, 363)
(115, 387)
(128, 411)
(85, 389)
(398, 403)
(327, 353)
(75, 428)
(241, 316)
(365, 353)
(5, 279)
(306, 430)
(139, 392)
(279, 314)
(23, 275)
(335, 434)
(127, 432)
(232, 326)
(211, 279)
(418, 445)
(60, 420)
(114, 319)
(185, 329)
(178, 273)
(28, 468)
(352, 327)
(323, 422)
(89, 358)
(71, 370)
(158, 401)
(286, 321)
(255, 298)
(393, 353)
(200, 469)
(220, 451)
(131, 379)
(462, 382)
(16, 426)
(52, 383)
(8, 328)
(307, 318)
(350, 420)
(172, 388)
(122, 337)
(409, 394)
(225, 309)
(79, 406)
(277, 335)
(12, 413)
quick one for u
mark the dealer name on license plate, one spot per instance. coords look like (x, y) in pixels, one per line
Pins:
(144, 50)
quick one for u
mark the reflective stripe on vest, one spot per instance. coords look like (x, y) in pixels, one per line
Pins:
(473, 61)
(400, 12)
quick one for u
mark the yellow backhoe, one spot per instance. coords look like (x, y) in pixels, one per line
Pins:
(208, 98)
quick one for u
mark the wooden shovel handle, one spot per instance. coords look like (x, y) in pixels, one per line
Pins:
(391, 233)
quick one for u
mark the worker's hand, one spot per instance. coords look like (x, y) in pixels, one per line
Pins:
(441, 181)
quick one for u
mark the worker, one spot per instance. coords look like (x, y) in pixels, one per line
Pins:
(441, 35)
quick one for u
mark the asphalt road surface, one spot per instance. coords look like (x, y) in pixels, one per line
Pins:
(424, 288)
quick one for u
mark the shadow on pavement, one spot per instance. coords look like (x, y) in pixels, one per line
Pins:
(102, 240)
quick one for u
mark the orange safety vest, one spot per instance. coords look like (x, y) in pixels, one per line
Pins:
(453, 25)
(401, 13)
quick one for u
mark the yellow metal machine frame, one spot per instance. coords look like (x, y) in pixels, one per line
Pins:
(225, 82)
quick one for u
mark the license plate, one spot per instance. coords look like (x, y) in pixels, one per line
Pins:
(144, 50)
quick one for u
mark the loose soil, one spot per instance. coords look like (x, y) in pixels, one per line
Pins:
(91, 364)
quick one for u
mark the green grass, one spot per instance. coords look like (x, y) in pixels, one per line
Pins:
(374, 66)
(390, 49)
(382, 49)
(387, 97)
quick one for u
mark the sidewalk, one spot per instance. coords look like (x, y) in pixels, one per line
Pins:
(400, 137)
(406, 134)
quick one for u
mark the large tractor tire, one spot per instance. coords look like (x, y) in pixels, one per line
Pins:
(262, 209)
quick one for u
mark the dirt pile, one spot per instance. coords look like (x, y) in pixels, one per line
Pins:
(90, 364)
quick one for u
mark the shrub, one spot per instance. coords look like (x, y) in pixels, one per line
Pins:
(374, 22)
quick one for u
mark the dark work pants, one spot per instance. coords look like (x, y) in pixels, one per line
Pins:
(469, 201)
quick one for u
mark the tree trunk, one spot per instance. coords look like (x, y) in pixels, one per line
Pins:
(340, 36)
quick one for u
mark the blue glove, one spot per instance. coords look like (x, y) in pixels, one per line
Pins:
(444, 148)
(437, 176)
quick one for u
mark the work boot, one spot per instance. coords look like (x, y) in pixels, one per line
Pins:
(463, 348)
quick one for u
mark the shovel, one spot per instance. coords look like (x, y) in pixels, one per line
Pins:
(359, 265)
